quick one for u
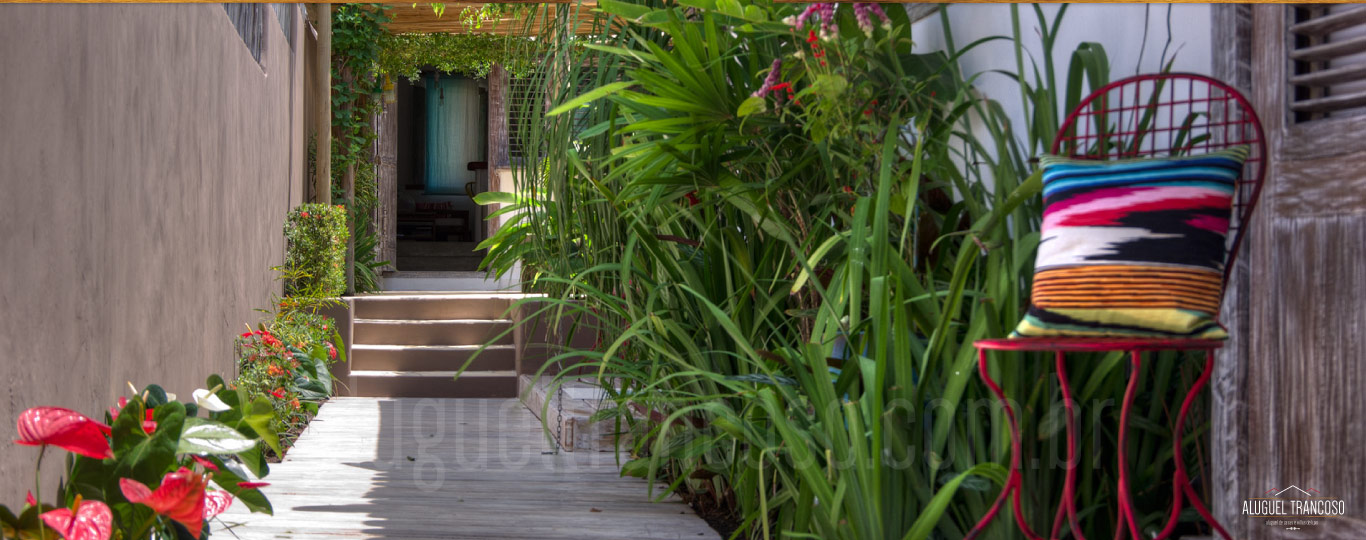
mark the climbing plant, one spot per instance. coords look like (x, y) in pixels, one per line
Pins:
(356, 33)
(472, 55)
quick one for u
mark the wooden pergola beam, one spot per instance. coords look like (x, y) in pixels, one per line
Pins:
(421, 19)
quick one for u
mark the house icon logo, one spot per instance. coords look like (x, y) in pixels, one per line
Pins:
(1293, 507)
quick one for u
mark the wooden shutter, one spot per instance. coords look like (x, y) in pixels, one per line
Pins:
(1328, 57)
(1304, 414)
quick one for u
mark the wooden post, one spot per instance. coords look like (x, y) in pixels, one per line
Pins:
(497, 140)
(322, 183)
(349, 184)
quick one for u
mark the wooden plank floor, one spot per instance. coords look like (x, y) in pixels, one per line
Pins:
(450, 469)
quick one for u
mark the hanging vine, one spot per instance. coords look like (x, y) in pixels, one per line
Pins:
(471, 55)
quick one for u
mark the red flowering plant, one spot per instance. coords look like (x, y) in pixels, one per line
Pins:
(155, 467)
(286, 361)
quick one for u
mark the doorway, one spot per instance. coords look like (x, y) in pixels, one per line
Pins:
(442, 149)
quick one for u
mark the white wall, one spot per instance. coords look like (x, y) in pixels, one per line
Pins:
(1117, 27)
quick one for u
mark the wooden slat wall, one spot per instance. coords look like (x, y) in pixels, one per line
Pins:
(1231, 24)
(386, 159)
(1302, 417)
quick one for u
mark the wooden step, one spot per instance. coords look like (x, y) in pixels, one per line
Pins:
(433, 384)
(434, 306)
(432, 357)
(431, 332)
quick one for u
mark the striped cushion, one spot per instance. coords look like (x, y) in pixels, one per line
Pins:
(1133, 248)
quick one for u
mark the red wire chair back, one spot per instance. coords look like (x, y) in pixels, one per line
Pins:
(1171, 114)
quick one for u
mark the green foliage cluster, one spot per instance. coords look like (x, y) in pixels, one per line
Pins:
(473, 55)
(356, 33)
(786, 280)
(286, 361)
(315, 251)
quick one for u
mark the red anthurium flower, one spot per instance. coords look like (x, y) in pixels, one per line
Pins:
(92, 520)
(180, 497)
(216, 502)
(29, 500)
(65, 429)
(252, 485)
(149, 425)
(208, 465)
(114, 411)
(279, 393)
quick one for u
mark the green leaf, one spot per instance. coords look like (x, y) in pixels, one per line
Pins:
(751, 105)
(260, 417)
(495, 197)
(229, 475)
(142, 457)
(596, 93)
(829, 85)
(201, 436)
(929, 516)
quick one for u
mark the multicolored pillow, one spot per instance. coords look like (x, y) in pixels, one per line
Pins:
(1133, 248)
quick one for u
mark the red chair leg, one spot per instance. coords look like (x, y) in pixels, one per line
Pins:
(1180, 479)
(1069, 490)
(1126, 509)
(1014, 481)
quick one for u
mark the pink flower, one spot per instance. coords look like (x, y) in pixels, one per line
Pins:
(91, 520)
(180, 497)
(114, 411)
(65, 429)
(208, 465)
(29, 500)
(216, 502)
(774, 74)
(148, 424)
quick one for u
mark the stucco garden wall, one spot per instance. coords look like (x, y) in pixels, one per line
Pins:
(146, 164)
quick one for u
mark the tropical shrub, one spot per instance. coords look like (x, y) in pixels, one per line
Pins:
(315, 238)
(787, 230)
(287, 363)
(155, 468)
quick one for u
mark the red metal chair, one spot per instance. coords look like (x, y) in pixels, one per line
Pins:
(1141, 116)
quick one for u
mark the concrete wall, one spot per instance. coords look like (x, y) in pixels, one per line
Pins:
(146, 164)
(1120, 28)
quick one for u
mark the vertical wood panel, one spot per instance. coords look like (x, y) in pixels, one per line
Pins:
(1231, 24)
(1305, 412)
(498, 137)
(386, 160)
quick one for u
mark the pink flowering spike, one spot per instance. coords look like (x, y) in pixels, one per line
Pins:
(863, 14)
(774, 73)
(216, 502)
(65, 429)
(92, 520)
(810, 10)
(881, 15)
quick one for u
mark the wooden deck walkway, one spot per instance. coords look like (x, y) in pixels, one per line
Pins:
(450, 469)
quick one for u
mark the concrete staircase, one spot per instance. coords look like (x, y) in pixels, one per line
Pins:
(412, 345)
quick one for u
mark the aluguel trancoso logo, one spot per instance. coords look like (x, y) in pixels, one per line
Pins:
(1293, 508)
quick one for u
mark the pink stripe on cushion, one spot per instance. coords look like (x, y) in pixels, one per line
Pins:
(1108, 210)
